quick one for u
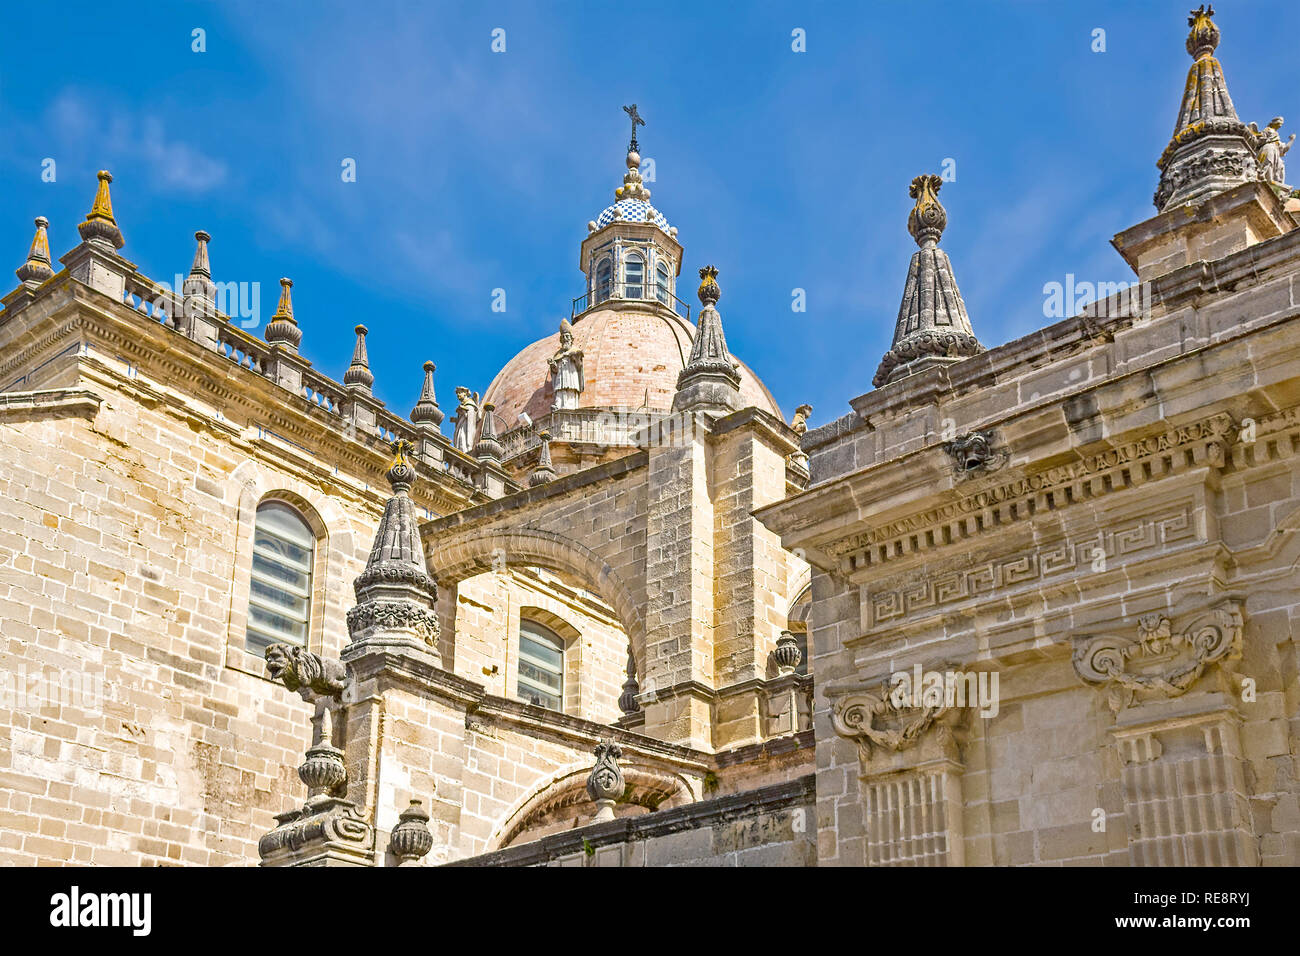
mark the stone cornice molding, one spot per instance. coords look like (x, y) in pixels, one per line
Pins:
(79, 402)
(1018, 497)
(1160, 662)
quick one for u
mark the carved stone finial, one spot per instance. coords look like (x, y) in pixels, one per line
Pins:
(283, 328)
(928, 219)
(787, 655)
(358, 374)
(400, 474)
(627, 702)
(411, 839)
(100, 224)
(1203, 38)
(426, 410)
(545, 470)
(605, 784)
(198, 289)
(488, 448)
(710, 292)
(395, 594)
(38, 266)
(932, 327)
(710, 381)
(1211, 150)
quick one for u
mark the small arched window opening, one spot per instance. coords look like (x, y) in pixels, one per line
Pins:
(633, 276)
(541, 666)
(661, 282)
(279, 598)
(604, 279)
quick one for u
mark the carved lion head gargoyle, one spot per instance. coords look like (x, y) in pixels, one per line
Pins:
(974, 454)
(300, 670)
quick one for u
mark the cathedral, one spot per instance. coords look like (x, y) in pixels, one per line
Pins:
(1022, 604)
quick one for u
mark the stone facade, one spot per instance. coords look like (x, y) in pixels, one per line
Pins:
(1031, 604)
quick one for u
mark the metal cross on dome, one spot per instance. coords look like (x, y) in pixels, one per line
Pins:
(636, 121)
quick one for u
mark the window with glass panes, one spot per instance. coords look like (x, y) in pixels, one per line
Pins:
(541, 666)
(633, 276)
(279, 599)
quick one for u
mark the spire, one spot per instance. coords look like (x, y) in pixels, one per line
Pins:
(1211, 149)
(487, 446)
(710, 382)
(545, 471)
(37, 268)
(933, 327)
(283, 328)
(358, 372)
(395, 592)
(426, 410)
(100, 224)
(199, 287)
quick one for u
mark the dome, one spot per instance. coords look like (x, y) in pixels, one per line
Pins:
(631, 359)
(632, 210)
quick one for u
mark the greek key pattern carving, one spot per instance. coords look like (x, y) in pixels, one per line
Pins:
(898, 600)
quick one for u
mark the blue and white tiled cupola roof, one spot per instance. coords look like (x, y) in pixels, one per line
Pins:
(632, 210)
(632, 201)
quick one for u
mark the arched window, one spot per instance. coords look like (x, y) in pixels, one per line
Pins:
(541, 666)
(633, 276)
(604, 279)
(279, 598)
(661, 282)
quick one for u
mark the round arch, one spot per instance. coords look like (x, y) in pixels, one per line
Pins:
(648, 787)
(453, 559)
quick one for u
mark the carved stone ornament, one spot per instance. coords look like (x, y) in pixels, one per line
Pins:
(606, 784)
(394, 615)
(1160, 662)
(787, 655)
(333, 827)
(309, 674)
(973, 454)
(411, 839)
(878, 721)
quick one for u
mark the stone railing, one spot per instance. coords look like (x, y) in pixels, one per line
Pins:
(359, 413)
(598, 427)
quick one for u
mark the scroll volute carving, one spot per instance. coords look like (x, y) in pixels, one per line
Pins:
(1160, 661)
(884, 723)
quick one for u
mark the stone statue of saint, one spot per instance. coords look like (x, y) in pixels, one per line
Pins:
(465, 420)
(566, 370)
(1271, 150)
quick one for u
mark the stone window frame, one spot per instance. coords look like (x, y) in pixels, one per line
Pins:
(571, 699)
(238, 657)
(642, 257)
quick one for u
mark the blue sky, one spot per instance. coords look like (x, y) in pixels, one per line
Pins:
(479, 170)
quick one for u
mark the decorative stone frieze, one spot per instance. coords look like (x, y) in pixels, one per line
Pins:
(1208, 439)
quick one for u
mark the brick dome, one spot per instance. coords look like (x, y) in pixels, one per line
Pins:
(631, 359)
